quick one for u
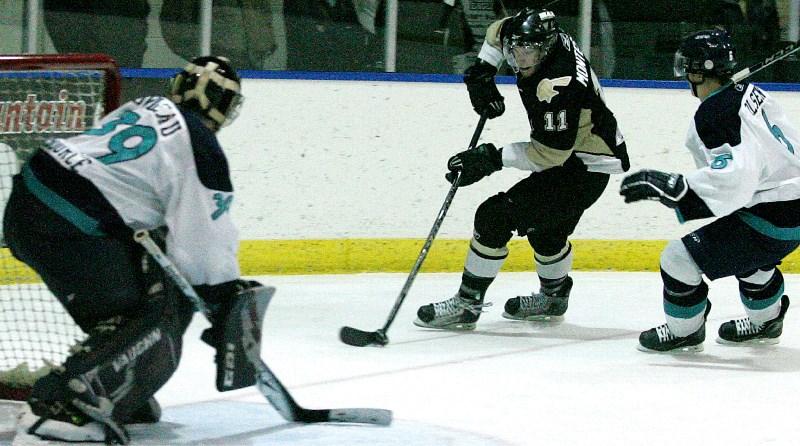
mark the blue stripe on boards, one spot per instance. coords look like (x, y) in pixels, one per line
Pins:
(165, 73)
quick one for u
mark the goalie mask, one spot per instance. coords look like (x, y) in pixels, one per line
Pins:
(528, 38)
(210, 87)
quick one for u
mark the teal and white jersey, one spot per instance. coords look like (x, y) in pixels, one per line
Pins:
(157, 166)
(746, 151)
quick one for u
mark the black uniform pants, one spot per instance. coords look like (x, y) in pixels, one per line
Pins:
(97, 277)
(94, 277)
(544, 207)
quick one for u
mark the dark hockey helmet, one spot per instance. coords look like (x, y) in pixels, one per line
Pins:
(709, 52)
(528, 38)
(210, 87)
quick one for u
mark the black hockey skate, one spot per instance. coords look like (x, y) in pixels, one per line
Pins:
(744, 332)
(546, 305)
(456, 313)
(661, 340)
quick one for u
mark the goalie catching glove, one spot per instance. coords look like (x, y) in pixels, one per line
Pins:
(474, 164)
(668, 188)
(235, 333)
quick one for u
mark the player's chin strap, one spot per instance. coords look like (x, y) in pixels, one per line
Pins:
(694, 85)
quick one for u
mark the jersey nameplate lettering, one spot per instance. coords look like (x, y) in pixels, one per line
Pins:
(754, 101)
(67, 157)
(581, 72)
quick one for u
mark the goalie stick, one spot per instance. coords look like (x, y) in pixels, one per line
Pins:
(752, 69)
(266, 381)
(360, 338)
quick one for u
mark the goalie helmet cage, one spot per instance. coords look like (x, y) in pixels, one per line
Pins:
(41, 96)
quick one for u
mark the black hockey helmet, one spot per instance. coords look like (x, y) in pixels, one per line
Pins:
(210, 87)
(708, 52)
(528, 37)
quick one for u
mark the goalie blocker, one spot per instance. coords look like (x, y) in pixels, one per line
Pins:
(237, 336)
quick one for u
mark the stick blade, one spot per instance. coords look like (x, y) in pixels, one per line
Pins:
(381, 417)
(360, 338)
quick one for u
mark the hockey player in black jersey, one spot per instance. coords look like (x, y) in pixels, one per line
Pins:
(153, 163)
(574, 145)
(748, 177)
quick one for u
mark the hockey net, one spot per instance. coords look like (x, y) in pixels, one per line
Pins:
(41, 96)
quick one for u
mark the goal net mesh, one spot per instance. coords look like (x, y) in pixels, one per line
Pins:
(41, 97)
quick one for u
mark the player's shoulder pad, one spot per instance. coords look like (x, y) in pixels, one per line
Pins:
(717, 119)
(210, 160)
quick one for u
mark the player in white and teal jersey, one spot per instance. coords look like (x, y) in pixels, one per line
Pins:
(154, 163)
(748, 177)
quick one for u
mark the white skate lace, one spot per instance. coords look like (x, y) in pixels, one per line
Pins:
(664, 334)
(745, 327)
(456, 305)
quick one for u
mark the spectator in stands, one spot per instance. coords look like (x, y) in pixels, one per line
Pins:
(115, 28)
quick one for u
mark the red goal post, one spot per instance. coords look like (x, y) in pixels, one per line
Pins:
(41, 96)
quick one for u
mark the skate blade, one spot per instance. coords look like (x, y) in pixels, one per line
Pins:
(457, 326)
(535, 318)
(685, 350)
(762, 342)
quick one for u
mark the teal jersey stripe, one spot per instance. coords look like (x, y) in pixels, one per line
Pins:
(767, 228)
(61, 206)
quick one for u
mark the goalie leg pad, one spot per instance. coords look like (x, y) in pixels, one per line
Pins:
(84, 410)
(52, 429)
(117, 369)
(240, 347)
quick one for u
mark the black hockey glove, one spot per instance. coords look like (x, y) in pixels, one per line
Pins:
(474, 164)
(668, 188)
(483, 93)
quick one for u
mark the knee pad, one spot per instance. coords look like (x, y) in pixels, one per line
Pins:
(678, 264)
(683, 294)
(494, 222)
(547, 246)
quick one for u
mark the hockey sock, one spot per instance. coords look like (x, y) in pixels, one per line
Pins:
(551, 286)
(553, 269)
(480, 269)
(761, 294)
(684, 305)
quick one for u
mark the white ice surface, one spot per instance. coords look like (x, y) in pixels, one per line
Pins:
(578, 382)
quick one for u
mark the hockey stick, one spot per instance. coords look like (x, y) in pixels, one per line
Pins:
(749, 71)
(267, 382)
(360, 338)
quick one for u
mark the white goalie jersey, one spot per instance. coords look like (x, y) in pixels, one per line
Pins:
(746, 151)
(158, 168)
